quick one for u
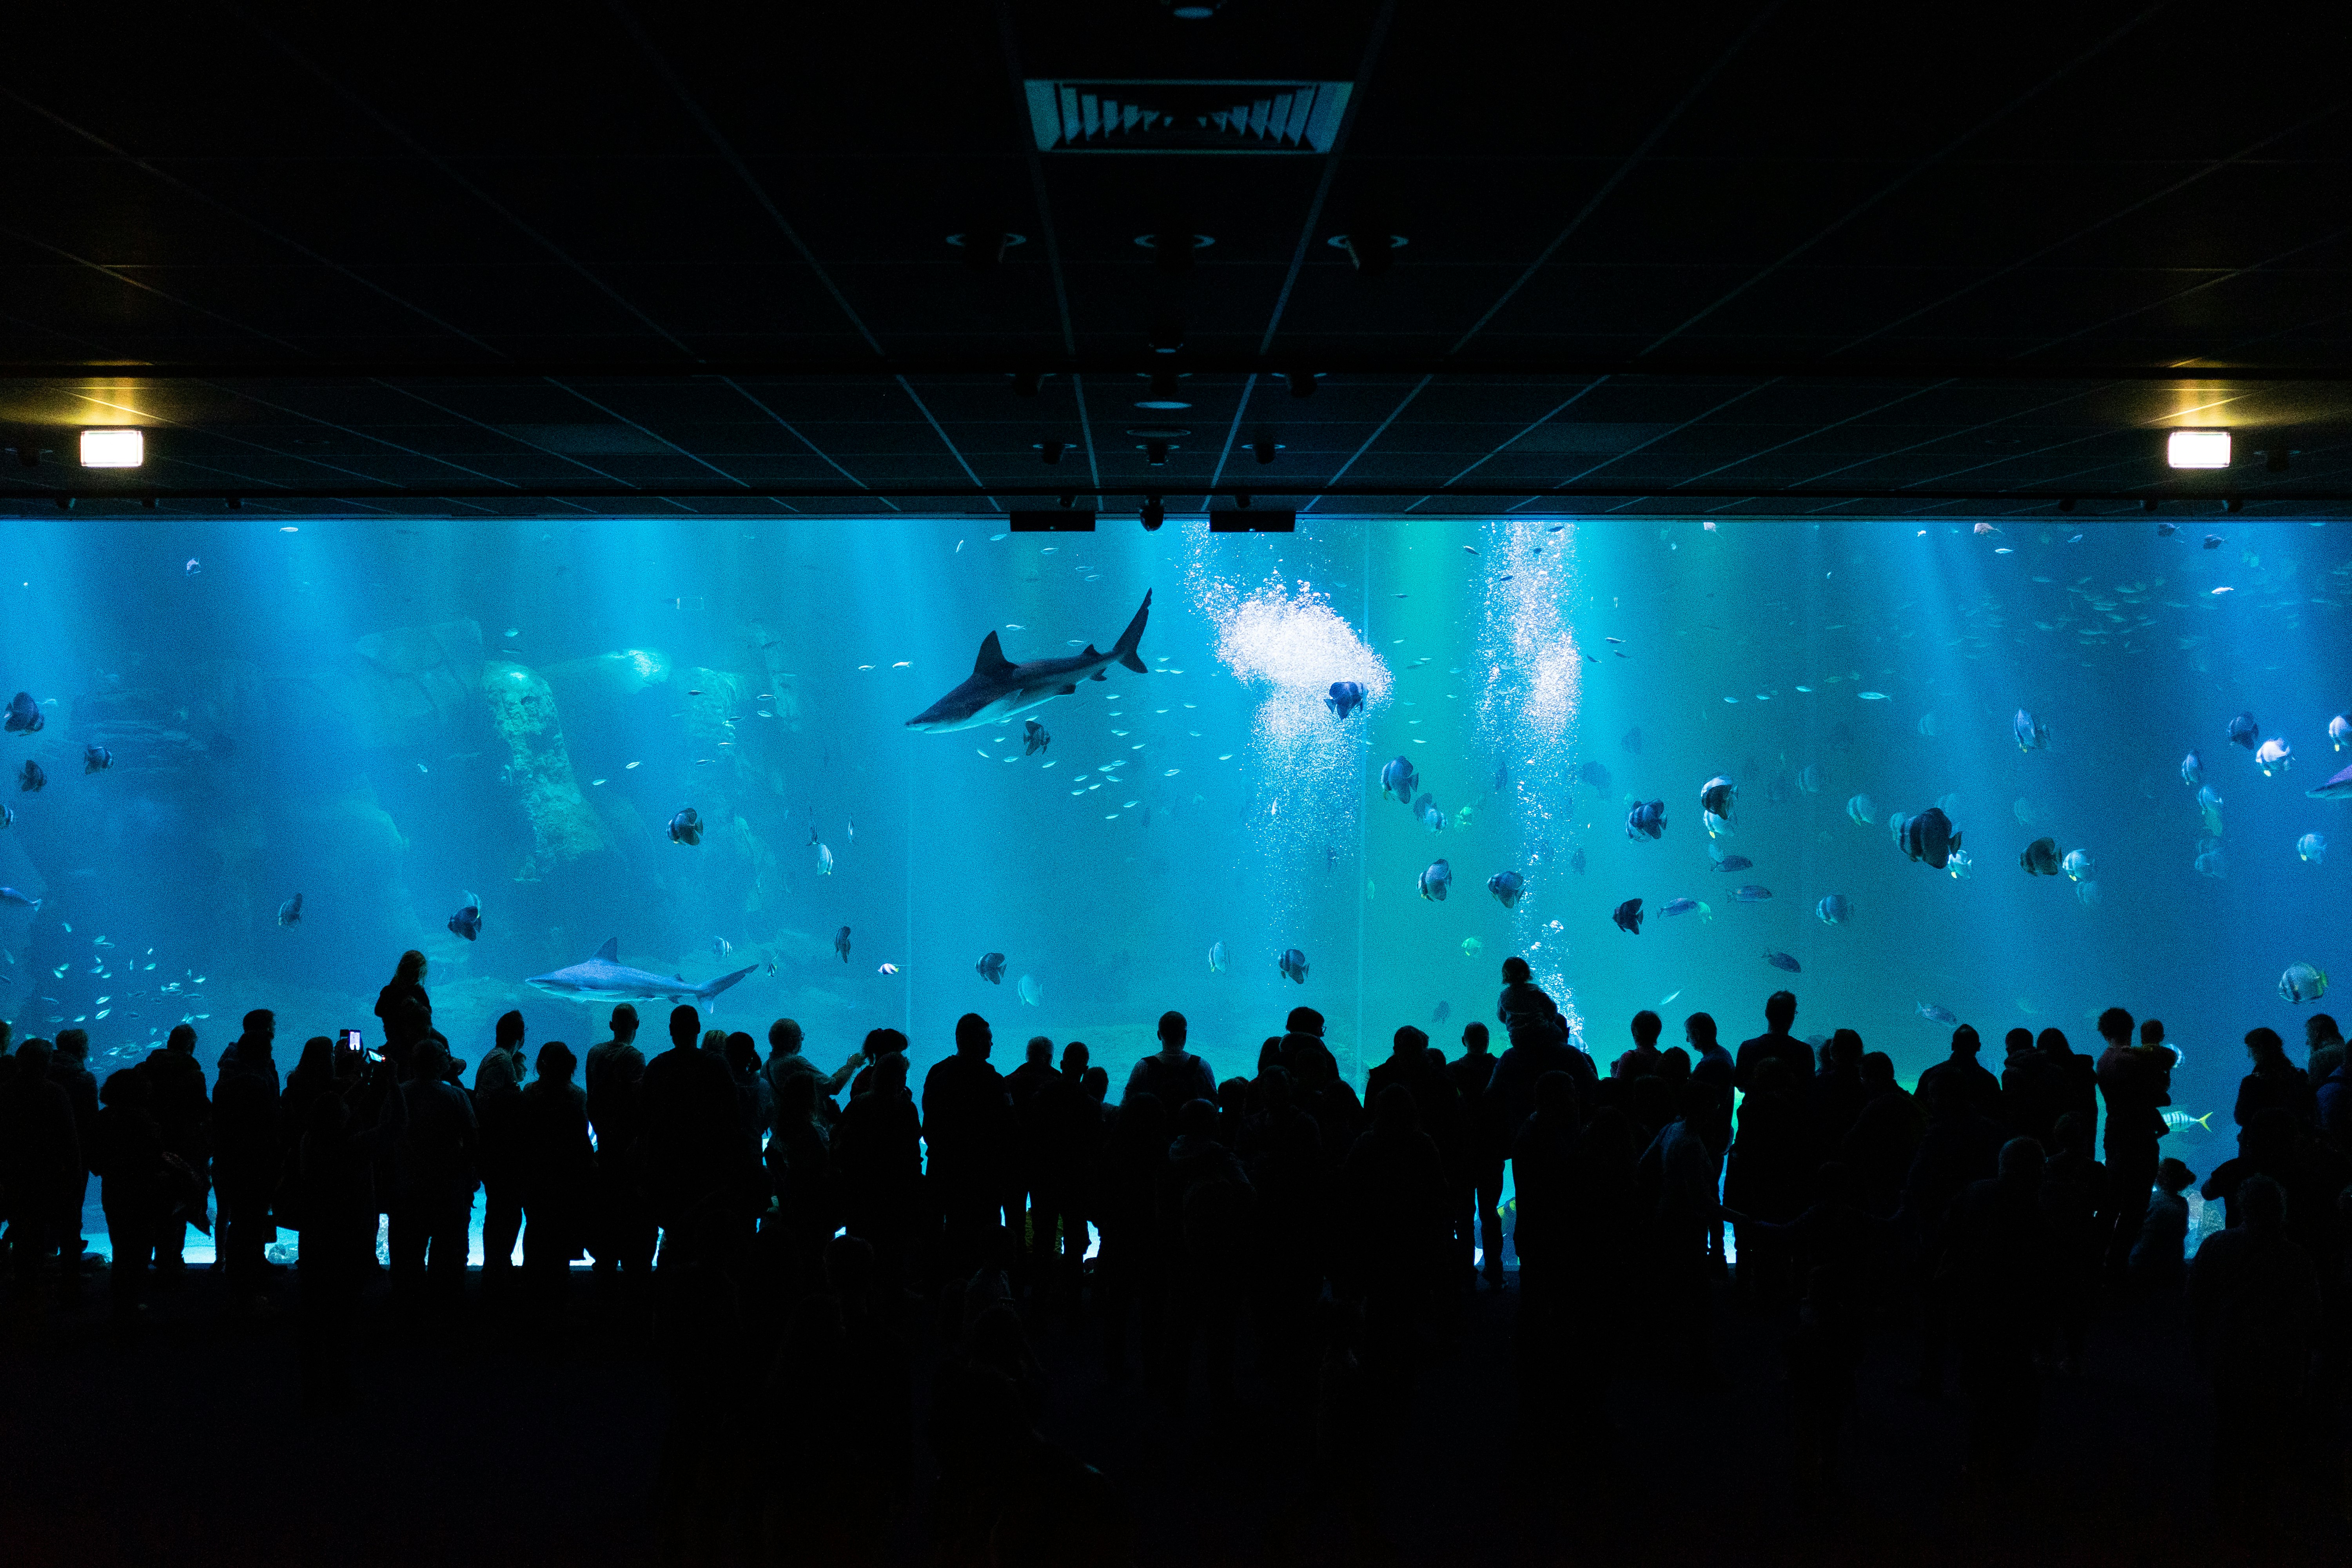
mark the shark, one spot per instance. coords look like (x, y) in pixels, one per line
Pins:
(605, 978)
(999, 689)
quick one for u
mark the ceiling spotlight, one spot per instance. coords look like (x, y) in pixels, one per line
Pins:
(1152, 515)
(1302, 383)
(1156, 453)
(2197, 449)
(1192, 10)
(1265, 448)
(983, 248)
(1370, 252)
(1068, 499)
(113, 449)
(1026, 382)
(1242, 500)
(1052, 450)
(1167, 335)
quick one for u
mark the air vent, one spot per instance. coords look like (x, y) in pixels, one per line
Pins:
(1186, 116)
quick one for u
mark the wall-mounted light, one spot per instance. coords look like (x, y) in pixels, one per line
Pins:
(113, 449)
(2197, 449)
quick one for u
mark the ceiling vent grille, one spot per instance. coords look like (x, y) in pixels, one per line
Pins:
(1186, 116)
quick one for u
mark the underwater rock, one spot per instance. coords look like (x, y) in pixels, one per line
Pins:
(523, 709)
(622, 673)
(411, 682)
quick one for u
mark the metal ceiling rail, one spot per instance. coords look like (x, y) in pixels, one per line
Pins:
(1027, 368)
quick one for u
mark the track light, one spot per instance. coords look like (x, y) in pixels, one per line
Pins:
(1156, 453)
(1026, 382)
(1372, 253)
(1068, 499)
(2197, 449)
(984, 247)
(1302, 383)
(1264, 449)
(1152, 515)
(1052, 450)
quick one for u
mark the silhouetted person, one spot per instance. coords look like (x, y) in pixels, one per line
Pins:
(2074, 1202)
(800, 1173)
(556, 1167)
(1207, 1217)
(2254, 1313)
(1471, 1072)
(403, 1008)
(878, 1156)
(785, 1058)
(2273, 1080)
(1769, 1172)
(336, 1161)
(1961, 1147)
(621, 1228)
(497, 1096)
(2032, 1090)
(968, 1126)
(251, 1151)
(1172, 1074)
(1396, 1216)
(2137, 1081)
(1538, 1045)
(2073, 1079)
(1642, 1060)
(1995, 1268)
(692, 1156)
(1775, 1044)
(755, 1099)
(40, 1160)
(1063, 1128)
(1962, 1074)
(1303, 1048)
(1885, 1137)
(2160, 1258)
(2324, 1043)
(1676, 1178)
(438, 1163)
(1132, 1264)
(70, 1069)
(126, 1151)
(185, 1113)
(1522, 997)
(1834, 1096)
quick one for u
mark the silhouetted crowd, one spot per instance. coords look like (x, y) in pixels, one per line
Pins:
(1278, 1221)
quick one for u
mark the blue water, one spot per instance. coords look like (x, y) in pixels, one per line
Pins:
(336, 708)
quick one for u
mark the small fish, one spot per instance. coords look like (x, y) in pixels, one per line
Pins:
(1809, 779)
(96, 759)
(192, 568)
(2181, 1122)
(1506, 886)
(25, 715)
(990, 968)
(1344, 698)
(626, 766)
(2242, 730)
(1862, 810)
(1436, 881)
(886, 968)
(1471, 947)
(468, 921)
(16, 900)
(1834, 909)
(1751, 894)
(289, 914)
(1935, 1014)
(1035, 738)
(2166, 530)
(2041, 858)
(825, 859)
(1647, 819)
(2313, 848)
(840, 943)
(720, 947)
(1680, 907)
(1292, 962)
(1443, 1010)
(686, 828)
(31, 779)
(2302, 982)
(2213, 541)
(1961, 864)
(423, 769)
(1717, 796)
(2033, 734)
(1217, 959)
(1628, 917)
(1983, 529)
(1874, 696)
(7, 817)
(2192, 770)
(1594, 774)
(1783, 960)
(2078, 867)
(2274, 756)
(1469, 550)
(851, 824)
(1398, 780)
(1733, 863)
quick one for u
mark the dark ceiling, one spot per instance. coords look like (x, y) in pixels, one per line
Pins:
(1769, 258)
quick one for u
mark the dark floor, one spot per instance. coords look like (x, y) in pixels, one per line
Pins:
(497, 1441)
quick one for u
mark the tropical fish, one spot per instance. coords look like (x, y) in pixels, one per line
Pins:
(1808, 778)
(2302, 982)
(2210, 863)
(840, 943)
(7, 817)
(25, 715)
(2242, 730)
(1293, 965)
(1680, 907)
(1594, 774)
(1751, 894)
(1873, 696)
(2274, 756)
(721, 946)
(2313, 848)
(1834, 909)
(2339, 732)
(1031, 994)
(1576, 860)
(1035, 737)
(2032, 733)
(1862, 810)
(468, 921)
(2042, 858)
(1344, 698)
(999, 689)
(1718, 795)
(1929, 837)
(686, 828)
(1506, 886)
(1434, 819)
(1628, 917)
(2078, 866)
(1783, 960)
(31, 779)
(886, 968)
(1442, 1011)
(1435, 880)
(1646, 820)
(1733, 863)
(289, 914)
(1398, 780)
(825, 859)
(96, 759)
(1935, 1014)
(1217, 958)
(990, 968)
(2181, 1122)
(1471, 947)
(2192, 769)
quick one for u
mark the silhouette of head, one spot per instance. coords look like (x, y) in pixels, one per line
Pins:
(1096, 1082)
(783, 1038)
(2071, 1134)
(412, 966)
(972, 1037)
(889, 1072)
(1647, 1027)
(73, 1045)
(1844, 1050)
(2172, 1176)
(1172, 1029)
(1041, 1050)
(556, 1062)
(1781, 1010)
(1516, 971)
(1474, 1038)
(624, 1023)
(1699, 1030)
(2053, 1043)
(1877, 1072)
(2261, 1206)
(715, 1041)
(1075, 1057)
(510, 1031)
(260, 1029)
(1303, 1021)
(685, 1023)
(1556, 1095)
(2262, 1045)
(742, 1052)
(182, 1039)
(2115, 1027)
(797, 1098)
(1394, 1113)
(127, 1087)
(881, 1043)
(1966, 1042)
(2021, 1161)
(1197, 1119)
(2151, 1031)
(2017, 1042)
(2317, 1030)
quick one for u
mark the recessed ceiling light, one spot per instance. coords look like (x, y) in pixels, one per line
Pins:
(1169, 403)
(113, 449)
(2197, 449)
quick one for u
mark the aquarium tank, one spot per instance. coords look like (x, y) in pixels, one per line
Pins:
(275, 752)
